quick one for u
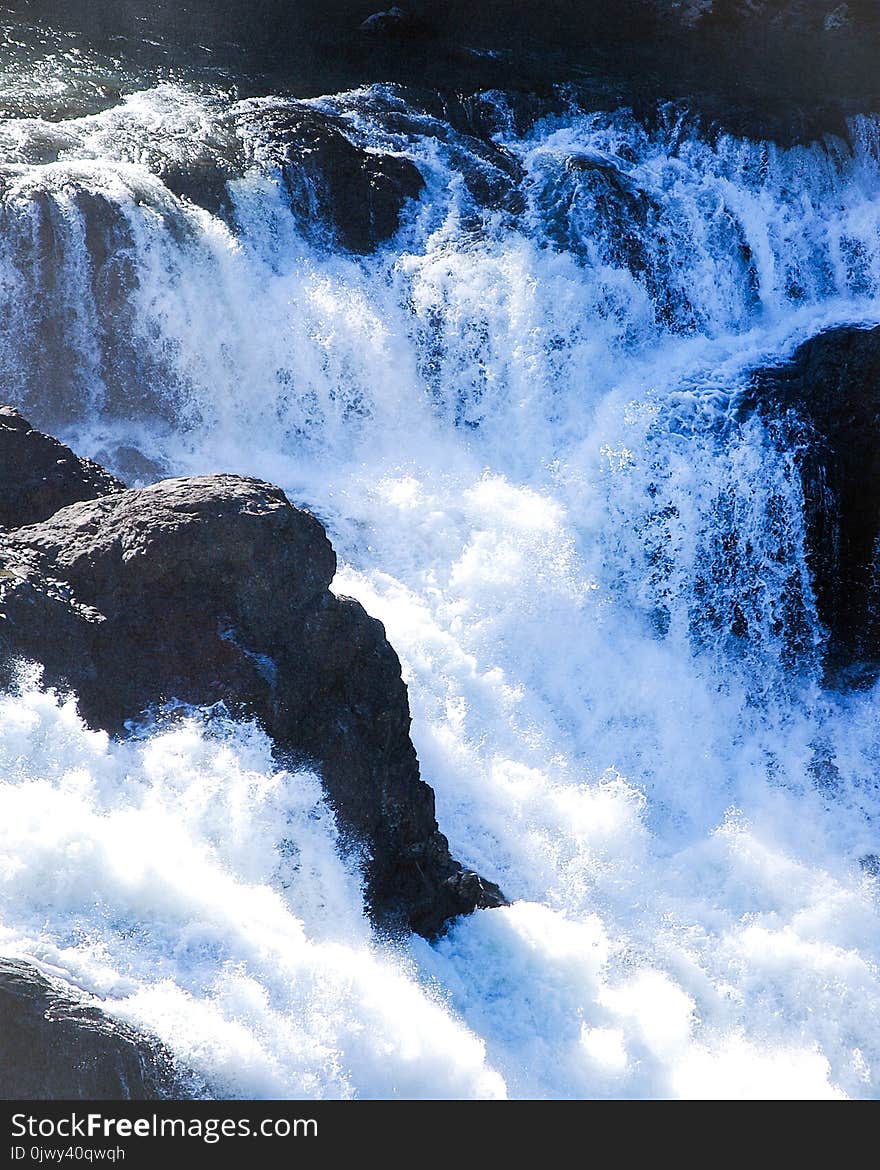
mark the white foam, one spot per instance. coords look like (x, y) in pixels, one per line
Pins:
(199, 892)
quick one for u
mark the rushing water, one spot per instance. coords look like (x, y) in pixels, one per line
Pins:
(515, 420)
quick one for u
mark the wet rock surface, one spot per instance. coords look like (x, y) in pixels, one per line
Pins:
(55, 1045)
(350, 196)
(215, 589)
(825, 404)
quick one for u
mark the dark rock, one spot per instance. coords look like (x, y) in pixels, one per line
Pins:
(465, 127)
(136, 468)
(57, 1046)
(338, 190)
(394, 22)
(216, 589)
(39, 475)
(825, 404)
(203, 182)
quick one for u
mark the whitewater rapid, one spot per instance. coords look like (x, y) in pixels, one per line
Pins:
(515, 420)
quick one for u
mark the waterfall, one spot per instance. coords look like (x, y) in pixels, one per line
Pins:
(516, 414)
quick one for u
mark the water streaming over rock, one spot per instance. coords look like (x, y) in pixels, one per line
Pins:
(516, 412)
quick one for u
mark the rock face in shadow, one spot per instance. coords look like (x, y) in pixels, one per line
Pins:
(341, 193)
(353, 196)
(39, 475)
(56, 1047)
(215, 589)
(825, 404)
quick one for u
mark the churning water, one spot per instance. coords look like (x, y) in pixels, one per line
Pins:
(516, 421)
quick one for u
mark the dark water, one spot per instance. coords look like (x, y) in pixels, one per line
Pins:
(784, 69)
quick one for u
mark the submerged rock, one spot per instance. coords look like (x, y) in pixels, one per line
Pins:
(824, 403)
(216, 589)
(55, 1046)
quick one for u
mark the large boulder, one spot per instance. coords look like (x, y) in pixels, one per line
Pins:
(216, 589)
(57, 1046)
(824, 404)
(39, 475)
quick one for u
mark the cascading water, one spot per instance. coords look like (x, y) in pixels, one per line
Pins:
(517, 420)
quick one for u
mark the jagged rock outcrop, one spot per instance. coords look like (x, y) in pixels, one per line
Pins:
(340, 192)
(824, 404)
(54, 1046)
(39, 475)
(216, 589)
(351, 195)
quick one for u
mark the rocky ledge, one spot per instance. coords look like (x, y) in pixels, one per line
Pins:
(216, 589)
(55, 1045)
(823, 403)
(39, 475)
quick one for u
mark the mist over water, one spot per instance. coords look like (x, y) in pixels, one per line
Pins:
(517, 420)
